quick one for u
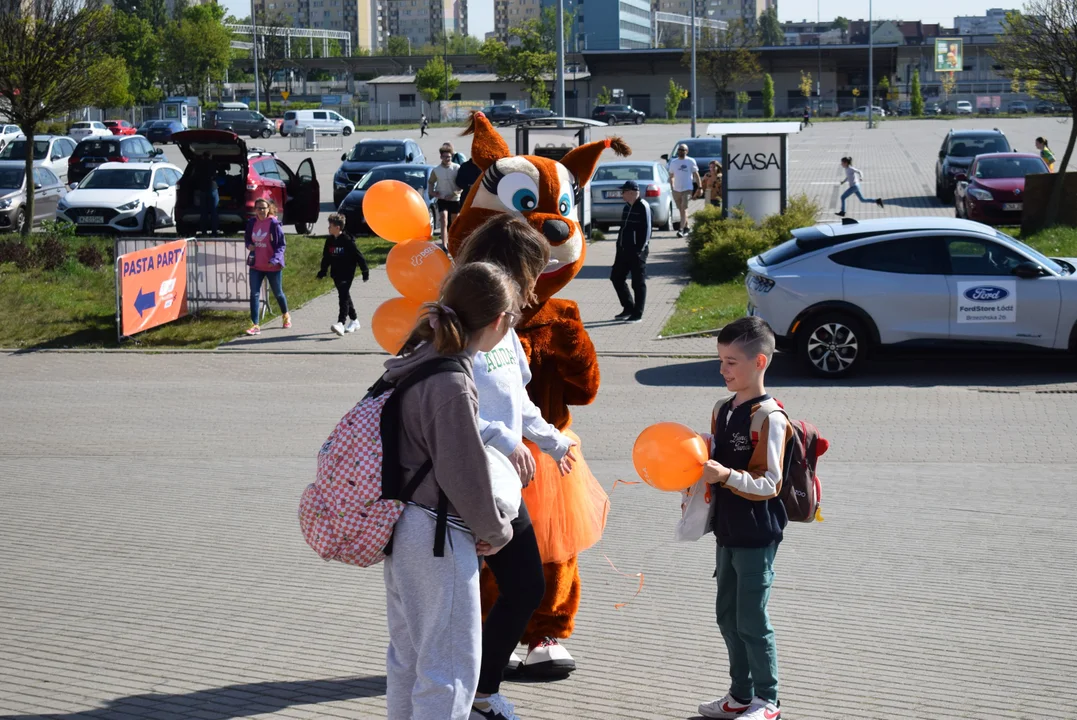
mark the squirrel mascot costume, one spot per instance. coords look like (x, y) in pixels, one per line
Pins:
(568, 512)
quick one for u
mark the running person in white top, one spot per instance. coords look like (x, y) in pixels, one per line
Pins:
(684, 176)
(442, 185)
(853, 177)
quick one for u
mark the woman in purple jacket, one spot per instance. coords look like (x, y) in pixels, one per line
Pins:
(265, 243)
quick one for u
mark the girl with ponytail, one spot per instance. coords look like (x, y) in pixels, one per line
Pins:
(432, 572)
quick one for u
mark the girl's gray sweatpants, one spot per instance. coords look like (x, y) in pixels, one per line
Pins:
(435, 623)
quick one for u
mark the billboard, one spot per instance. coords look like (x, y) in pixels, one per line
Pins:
(949, 55)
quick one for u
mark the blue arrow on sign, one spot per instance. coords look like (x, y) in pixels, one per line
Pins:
(144, 301)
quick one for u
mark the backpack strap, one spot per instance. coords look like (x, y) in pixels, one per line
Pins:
(766, 408)
(718, 420)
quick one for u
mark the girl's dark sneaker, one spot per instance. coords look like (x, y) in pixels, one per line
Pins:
(879, 202)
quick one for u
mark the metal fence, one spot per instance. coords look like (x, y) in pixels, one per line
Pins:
(322, 140)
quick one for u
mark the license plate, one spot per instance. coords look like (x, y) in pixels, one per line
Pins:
(1012, 206)
(91, 220)
(611, 194)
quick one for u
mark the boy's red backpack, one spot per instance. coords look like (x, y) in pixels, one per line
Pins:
(802, 490)
(348, 513)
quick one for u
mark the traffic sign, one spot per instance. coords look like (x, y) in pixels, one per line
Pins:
(284, 94)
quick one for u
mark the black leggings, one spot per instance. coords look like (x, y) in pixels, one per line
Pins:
(517, 567)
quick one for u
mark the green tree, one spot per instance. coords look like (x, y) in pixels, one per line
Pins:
(743, 98)
(196, 49)
(916, 97)
(139, 45)
(884, 88)
(397, 46)
(770, 30)
(430, 81)
(531, 58)
(674, 97)
(49, 64)
(805, 84)
(113, 82)
(727, 62)
(768, 96)
(605, 97)
(842, 23)
(1041, 41)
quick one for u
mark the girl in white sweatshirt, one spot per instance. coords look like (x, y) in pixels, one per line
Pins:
(853, 177)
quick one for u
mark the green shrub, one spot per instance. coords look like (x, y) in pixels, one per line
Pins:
(51, 253)
(719, 248)
(14, 250)
(90, 256)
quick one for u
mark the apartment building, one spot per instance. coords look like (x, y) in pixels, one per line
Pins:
(364, 19)
(424, 21)
(509, 13)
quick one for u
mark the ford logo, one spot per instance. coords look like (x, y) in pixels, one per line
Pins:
(987, 293)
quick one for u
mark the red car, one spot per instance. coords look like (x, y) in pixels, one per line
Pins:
(993, 190)
(120, 127)
(242, 177)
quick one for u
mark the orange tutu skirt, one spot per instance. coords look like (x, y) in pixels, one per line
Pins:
(568, 511)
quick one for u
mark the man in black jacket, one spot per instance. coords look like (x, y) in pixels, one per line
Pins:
(633, 244)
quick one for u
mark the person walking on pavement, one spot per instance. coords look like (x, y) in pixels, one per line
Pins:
(423, 122)
(265, 243)
(442, 185)
(209, 197)
(633, 244)
(684, 176)
(1045, 153)
(806, 122)
(340, 257)
(853, 177)
(712, 184)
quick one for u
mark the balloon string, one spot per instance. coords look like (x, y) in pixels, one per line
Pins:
(623, 482)
(639, 575)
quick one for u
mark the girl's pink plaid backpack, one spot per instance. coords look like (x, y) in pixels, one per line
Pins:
(348, 513)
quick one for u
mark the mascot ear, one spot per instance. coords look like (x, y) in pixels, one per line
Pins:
(488, 146)
(581, 162)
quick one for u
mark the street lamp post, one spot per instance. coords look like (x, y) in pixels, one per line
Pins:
(254, 32)
(871, 71)
(693, 83)
(559, 84)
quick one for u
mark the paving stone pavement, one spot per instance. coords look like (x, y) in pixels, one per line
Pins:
(152, 565)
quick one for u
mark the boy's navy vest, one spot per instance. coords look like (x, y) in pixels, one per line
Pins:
(737, 521)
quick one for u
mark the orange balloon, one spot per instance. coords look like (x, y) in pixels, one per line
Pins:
(416, 269)
(396, 212)
(669, 456)
(393, 321)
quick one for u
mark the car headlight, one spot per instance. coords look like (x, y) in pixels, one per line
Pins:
(760, 284)
(980, 194)
(5, 203)
(63, 204)
(133, 205)
(955, 170)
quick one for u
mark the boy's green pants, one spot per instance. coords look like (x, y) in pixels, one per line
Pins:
(744, 579)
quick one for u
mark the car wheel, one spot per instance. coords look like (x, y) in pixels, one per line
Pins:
(832, 345)
(639, 120)
(611, 120)
(302, 228)
(668, 224)
(347, 131)
(20, 221)
(149, 221)
(266, 133)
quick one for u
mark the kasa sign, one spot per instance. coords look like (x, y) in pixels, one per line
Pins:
(755, 173)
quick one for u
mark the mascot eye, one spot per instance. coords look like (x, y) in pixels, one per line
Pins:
(565, 205)
(518, 191)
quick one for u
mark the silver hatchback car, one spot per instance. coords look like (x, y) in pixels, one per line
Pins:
(836, 292)
(654, 188)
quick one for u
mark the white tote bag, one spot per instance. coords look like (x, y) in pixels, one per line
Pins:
(696, 506)
(506, 483)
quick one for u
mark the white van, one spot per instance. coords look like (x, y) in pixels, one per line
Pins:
(324, 121)
(233, 106)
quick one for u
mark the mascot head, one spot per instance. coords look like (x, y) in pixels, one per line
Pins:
(543, 192)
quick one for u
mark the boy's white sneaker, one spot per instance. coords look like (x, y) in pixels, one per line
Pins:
(724, 708)
(338, 328)
(352, 326)
(761, 709)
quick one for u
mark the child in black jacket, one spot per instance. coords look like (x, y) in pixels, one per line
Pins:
(340, 257)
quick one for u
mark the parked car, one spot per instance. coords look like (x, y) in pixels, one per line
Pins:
(369, 154)
(50, 151)
(161, 131)
(834, 294)
(989, 110)
(1044, 108)
(144, 127)
(8, 133)
(861, 113)
(81, 130)
(243, 177)
(932, 109)
(958, 149)
(993, 192)
(351, 207)
(700, 149)
(654, 188)
(120, 127)
(324, 121)
(48, 190)
(241, 122)
(537, 115)
(1019, 107)
(613, 114)
(964, 107)
(123, 197)
(92, 152)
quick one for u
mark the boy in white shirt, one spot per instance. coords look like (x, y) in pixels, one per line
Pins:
(684, 176)
(442, 185)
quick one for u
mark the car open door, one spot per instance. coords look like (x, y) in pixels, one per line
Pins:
(305, 196)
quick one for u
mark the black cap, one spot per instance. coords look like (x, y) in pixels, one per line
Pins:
(630, 185)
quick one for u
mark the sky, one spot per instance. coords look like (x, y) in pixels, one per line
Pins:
(481, 12)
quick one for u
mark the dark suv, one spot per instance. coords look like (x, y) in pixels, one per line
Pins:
(241, 122)
(502, 114)
(96, 150)
(369, 154)
(956, 154)
(613, 114)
